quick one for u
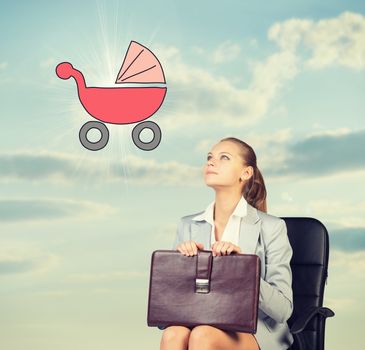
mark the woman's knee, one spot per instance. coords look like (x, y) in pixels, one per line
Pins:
(202, 335)
(175, 334)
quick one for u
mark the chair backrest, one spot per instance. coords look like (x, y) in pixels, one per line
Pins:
(310, 243)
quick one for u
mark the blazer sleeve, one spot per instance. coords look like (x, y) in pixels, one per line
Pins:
(276, 294)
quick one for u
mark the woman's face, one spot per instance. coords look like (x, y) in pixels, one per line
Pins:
(224, 166)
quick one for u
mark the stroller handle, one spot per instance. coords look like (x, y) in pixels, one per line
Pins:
(65, 70)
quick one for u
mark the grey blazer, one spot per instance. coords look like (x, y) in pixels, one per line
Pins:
(265, 235)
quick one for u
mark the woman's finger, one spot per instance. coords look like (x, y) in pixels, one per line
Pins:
(179, 249)
(218, 248)
(183, 248)
(187, 247)
(192, 248)
(225, 246)
(230, 249)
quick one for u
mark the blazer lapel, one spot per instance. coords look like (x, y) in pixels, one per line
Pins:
(249, 231)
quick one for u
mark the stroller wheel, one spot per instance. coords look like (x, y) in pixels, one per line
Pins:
(94, 146)
(146, 146)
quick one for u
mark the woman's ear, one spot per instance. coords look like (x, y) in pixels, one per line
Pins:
(247, 173)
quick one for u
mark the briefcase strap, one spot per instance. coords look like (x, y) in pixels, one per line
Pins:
(203, 271)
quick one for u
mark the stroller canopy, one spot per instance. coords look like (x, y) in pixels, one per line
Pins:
(140, 65)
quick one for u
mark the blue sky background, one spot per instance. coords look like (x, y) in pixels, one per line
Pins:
(77, 228)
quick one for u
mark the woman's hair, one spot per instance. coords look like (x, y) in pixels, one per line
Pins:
(254, 190)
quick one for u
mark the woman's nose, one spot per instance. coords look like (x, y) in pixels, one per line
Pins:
(210, 162)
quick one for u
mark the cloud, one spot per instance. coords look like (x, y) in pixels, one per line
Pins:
(326, 42)
(340, 304)
(4, 78)
(270, 76)
(26, 165)
(50, 62)
(226, 52)
(166, 234)
(350, 219)
(106, 276)
(149, 172)
(279, 156)
(349, 239)
(62, 168)
(199, 95)
(270, 147)
(17, 257)
(347, 264)
(323, 154)
(54, 294)
(45, 209)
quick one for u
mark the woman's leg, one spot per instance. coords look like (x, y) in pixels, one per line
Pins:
(206, 337)
(175, 338)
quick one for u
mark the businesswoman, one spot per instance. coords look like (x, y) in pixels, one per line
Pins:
(237, 221)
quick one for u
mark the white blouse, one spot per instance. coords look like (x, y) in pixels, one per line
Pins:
(232, 230)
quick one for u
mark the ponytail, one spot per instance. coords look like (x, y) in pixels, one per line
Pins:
(254, 191)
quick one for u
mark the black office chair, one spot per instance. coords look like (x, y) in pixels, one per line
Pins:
(309, 240)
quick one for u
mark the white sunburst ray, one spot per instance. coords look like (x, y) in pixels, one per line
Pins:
(72, 124)
(125, 152)
(70, 110)
(153, 34)
(105, 159)
(117, 155)
(90, 64)
(116, 33)
(108, 158)
(69, 130)
(108, 45)
(114, 61)
(53, 133)
(56, 127)
(169, 107)
(94, 155)
(87, 164)
(64, 93)
(105, 60)
(90, 60)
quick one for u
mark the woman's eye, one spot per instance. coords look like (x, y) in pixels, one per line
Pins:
(221, 157)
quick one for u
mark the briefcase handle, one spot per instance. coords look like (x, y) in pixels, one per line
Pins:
(203, 271)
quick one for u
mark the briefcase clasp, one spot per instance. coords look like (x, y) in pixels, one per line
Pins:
(202, 285)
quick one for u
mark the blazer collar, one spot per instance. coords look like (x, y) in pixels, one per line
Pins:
(207, 215)
(249, 231)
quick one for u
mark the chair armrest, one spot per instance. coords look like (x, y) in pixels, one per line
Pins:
(302, 320)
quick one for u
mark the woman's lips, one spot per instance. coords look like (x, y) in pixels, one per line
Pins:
(211, 172)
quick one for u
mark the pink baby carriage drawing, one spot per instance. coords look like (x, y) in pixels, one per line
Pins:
(122, 105)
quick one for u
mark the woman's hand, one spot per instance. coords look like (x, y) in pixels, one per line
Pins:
(224, 248)
(189, 248)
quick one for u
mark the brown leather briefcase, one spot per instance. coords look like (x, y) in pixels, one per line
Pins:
(220, 291)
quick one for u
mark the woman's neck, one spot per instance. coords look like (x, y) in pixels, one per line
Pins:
(225, 203)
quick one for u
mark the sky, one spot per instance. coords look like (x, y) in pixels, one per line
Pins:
(77, 228)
